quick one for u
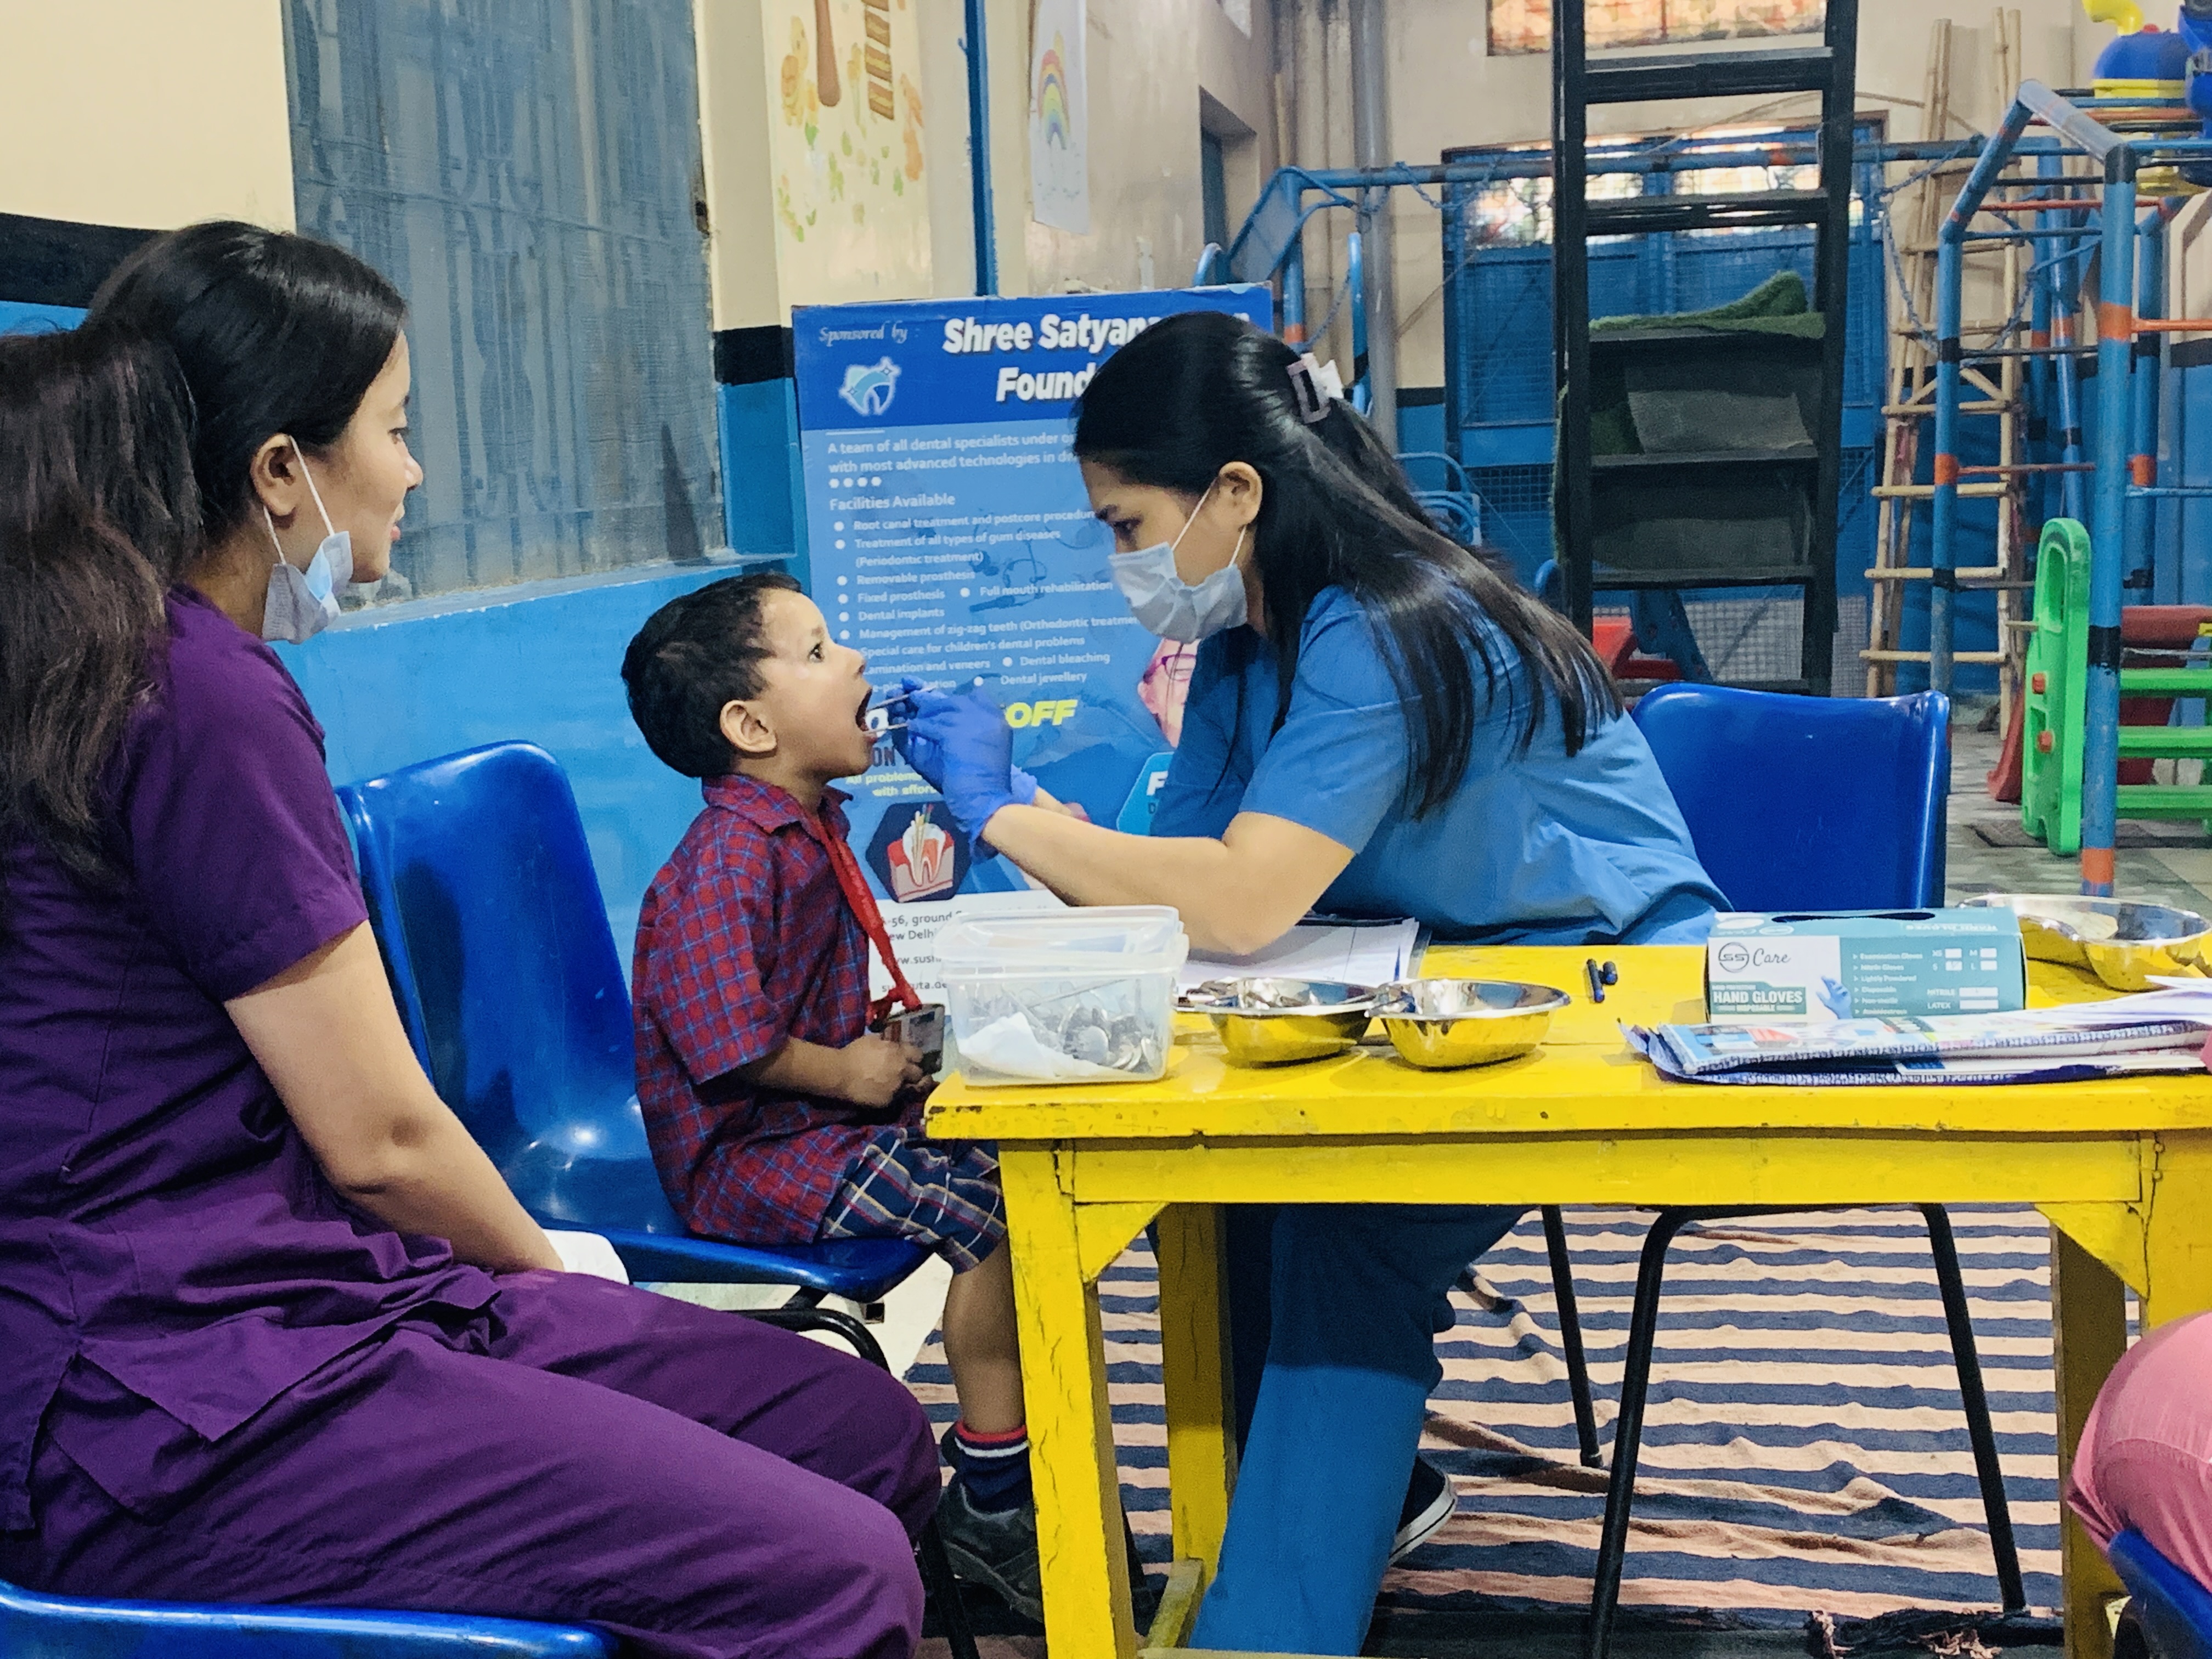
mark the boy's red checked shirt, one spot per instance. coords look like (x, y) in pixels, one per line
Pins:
(745, 941)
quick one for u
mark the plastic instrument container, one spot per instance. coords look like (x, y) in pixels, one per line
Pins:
(1063, 996)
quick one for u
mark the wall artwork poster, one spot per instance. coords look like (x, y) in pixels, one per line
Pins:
(1060, 119)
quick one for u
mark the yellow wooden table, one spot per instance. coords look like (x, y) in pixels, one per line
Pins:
(2123, 1169)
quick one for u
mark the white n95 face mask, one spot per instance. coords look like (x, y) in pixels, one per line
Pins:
(1165, 604)
(301, 603)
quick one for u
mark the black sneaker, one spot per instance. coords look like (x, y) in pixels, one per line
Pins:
(1429, 1504)
(995, 1548)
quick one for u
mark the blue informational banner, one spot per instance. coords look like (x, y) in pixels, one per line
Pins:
(949, 538)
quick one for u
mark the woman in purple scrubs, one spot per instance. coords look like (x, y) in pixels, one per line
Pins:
(271, 1327)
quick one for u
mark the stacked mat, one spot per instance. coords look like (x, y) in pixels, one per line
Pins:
(1804, 1450)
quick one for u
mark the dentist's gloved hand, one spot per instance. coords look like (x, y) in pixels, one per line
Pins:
(928, 757)
(925, 758)
(964, 747)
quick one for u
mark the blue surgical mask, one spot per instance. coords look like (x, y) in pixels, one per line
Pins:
(1165, 604)
(301, 603)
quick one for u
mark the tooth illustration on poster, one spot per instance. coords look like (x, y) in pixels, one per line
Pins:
(949, 538)
(916, 857)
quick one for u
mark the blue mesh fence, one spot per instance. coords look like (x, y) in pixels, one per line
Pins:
(1504, 303)
(1506, 307)
(1515, 506)
(1498, 304)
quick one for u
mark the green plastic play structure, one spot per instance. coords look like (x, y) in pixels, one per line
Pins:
(2057, 678)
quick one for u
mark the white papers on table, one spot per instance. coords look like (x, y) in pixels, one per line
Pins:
(2155, 1031)
(1350, 953)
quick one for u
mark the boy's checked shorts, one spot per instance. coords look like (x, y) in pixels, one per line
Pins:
(945, 1196)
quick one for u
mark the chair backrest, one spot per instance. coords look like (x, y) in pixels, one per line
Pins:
(481, 889)
(1808, 803)
(2174, 1610)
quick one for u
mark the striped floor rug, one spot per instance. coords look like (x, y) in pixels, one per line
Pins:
(1804, 1450)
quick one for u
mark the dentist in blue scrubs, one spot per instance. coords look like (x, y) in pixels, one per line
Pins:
(1379, 724)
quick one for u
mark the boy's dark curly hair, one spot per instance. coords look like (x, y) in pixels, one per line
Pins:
(695, 655)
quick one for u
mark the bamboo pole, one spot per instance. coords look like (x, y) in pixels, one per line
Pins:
(1913, 225)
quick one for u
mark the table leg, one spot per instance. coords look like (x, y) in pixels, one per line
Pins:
(1078, 1496)
(2088, 1318)
(2178, 1238)
(1194, 1361)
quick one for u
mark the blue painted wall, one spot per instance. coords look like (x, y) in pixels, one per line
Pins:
(535, 660)
(761, 473)
(1421, 425)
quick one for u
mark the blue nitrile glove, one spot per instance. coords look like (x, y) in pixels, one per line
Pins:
(931, 768)
(1837, 997)
(967, 744)
(918, 751)
(926, 757)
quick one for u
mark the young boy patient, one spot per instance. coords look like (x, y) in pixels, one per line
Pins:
(776, 1116)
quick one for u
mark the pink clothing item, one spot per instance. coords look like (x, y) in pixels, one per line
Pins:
(2146, 1455)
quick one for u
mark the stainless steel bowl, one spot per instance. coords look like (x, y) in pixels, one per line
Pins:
(1444, 1023)
(1273, 1022)
(2123, 944)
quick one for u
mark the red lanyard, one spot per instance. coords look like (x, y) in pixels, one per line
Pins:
(855, 886)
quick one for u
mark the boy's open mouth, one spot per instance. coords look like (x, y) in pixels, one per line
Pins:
(860, 714)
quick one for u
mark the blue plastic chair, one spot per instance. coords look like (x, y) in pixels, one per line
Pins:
(1803, 804)
(2172, 1609)
(52, 1627)
(481, 890)
(1808, 803)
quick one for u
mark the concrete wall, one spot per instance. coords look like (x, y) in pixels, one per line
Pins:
(149, 116)
(733, 117)
(1149, 62)
(945, 64)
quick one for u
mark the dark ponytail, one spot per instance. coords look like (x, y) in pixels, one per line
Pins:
(1201, 389)
(98, 517)
(275, 333)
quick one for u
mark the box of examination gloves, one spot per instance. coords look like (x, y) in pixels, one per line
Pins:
(1859, 964)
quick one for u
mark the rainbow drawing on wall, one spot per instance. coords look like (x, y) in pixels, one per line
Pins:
(1059, 117)
(1051, 94)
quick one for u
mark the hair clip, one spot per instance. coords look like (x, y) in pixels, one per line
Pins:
(1315, 386)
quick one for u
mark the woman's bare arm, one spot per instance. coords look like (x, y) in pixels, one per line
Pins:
(1237, 894)
(328, 1035)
